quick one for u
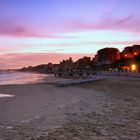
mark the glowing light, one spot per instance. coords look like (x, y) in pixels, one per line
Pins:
(135, 53)
(126, 55)
(133, 67)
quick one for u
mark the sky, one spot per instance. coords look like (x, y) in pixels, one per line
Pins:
(40, 31)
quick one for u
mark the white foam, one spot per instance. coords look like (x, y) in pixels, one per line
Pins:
(6, 95)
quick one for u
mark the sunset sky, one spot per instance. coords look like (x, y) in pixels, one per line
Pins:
(41, 31)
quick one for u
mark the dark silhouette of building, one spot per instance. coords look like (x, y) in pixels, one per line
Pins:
(83, 63)
(106, 57)
(131, 51)
(65, 67)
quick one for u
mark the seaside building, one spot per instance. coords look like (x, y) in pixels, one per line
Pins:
(106, 57)
(130, 58)
(65, 67)
(131, 51)
(70, 68)
(83, 66)
(83, 63)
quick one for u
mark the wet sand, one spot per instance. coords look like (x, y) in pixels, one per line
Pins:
(104, 110)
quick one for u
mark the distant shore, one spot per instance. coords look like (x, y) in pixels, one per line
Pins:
(103, 110)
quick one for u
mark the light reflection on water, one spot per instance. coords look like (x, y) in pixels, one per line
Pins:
(8, 78)
(6, 95)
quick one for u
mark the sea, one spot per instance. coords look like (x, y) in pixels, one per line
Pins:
(16, 78)
(10, 78)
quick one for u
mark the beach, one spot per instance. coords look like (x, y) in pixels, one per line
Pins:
(102, 110)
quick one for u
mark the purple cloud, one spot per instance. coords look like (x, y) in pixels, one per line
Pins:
(18, 29)
(126, 24)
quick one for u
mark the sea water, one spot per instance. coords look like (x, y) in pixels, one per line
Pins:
(16, 78)
(10, 78)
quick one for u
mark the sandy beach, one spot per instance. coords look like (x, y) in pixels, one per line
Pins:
(104, 110)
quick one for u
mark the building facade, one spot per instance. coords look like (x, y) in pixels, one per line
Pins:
(106, 57)
(131, 51)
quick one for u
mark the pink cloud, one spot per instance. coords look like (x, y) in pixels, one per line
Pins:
(3, 49)
(14, 60)
(14, 29)
(17, 28)
(127, 24)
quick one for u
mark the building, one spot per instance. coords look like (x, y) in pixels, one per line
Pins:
(83, 63)
(65, 67)
(106, 57)
(70, 68)
(130, 58)
(131, 51)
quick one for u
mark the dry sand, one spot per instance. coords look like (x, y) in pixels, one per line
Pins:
(105, 110)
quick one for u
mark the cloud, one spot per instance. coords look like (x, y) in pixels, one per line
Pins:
(19, 28)
(2, 50)
(126, 19)
(16, 28)
(13, 60)
(126, 24)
